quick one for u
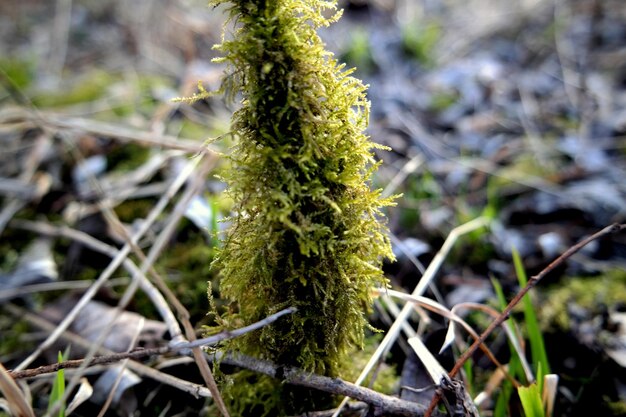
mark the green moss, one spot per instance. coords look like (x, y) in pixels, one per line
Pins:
(12, 332)
(127, 157)
(591, 293)
(140, 95)
(131, 210)
(419, 42)
(20, 72)
(306, 229)
(183, 264)
(440, 101)
(359, 51)
(88, 88)
(387, 380)
(186, 267)
(10, 257)
(617, 408)
(523, 167)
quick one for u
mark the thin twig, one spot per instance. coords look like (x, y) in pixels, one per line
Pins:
(614, 228)
(142, 353)
(8, 294)
(147, 265)
(355, 406)
(60, 37)
(92, 243)
(115, 263)
(290, 375)
(385, 403)
(139, 368)
(437, 308)
(29, 169)
(122, 368)
(61, 123)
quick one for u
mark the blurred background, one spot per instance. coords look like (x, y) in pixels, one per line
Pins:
(514, 111)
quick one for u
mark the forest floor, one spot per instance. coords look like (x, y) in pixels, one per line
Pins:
(514, 114)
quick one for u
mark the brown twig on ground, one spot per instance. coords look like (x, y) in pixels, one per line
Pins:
(137, 367)
(614, 228)
(354, 407)
(56, 123)
(385, 403)
(290, 375)
(141, 353)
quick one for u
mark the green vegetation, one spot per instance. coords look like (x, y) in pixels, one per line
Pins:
(419, 41)
(530, 395)
(359, 52)
(89, 88)
(20, 72)
(535, 337)
(590, 293)
(58, 390)
(306, 229)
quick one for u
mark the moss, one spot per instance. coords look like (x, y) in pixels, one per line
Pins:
(127, 157)
(442, 100)
(387, 380)
(359, 51)
(617, 408)
(523, 167)
(20, 72)
(419, 41)
(591, 293)
(183, 264)
(306, 229)
(12, 332)
(91, 87)
(131, 210)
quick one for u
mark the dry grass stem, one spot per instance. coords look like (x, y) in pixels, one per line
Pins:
(143, 370)
(141, 353)
(115, 263)
(429, 274)
(614, 228)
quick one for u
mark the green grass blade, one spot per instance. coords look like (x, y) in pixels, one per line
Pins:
(501, 408)
(535, 338)
(58, 390)
(531, 400)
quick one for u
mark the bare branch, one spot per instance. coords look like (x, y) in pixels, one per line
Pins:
(142, 353)
(386, 403)
(139, 368)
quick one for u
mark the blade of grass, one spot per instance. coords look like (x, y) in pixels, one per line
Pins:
(58, 390)
(531, 400)
(535, 337)
(518, 360)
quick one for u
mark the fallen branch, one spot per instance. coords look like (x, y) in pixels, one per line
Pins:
(295, 376)
(386, 404)
(142, 353)
(137, 367)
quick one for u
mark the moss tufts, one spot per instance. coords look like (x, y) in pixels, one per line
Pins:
(306, 229)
